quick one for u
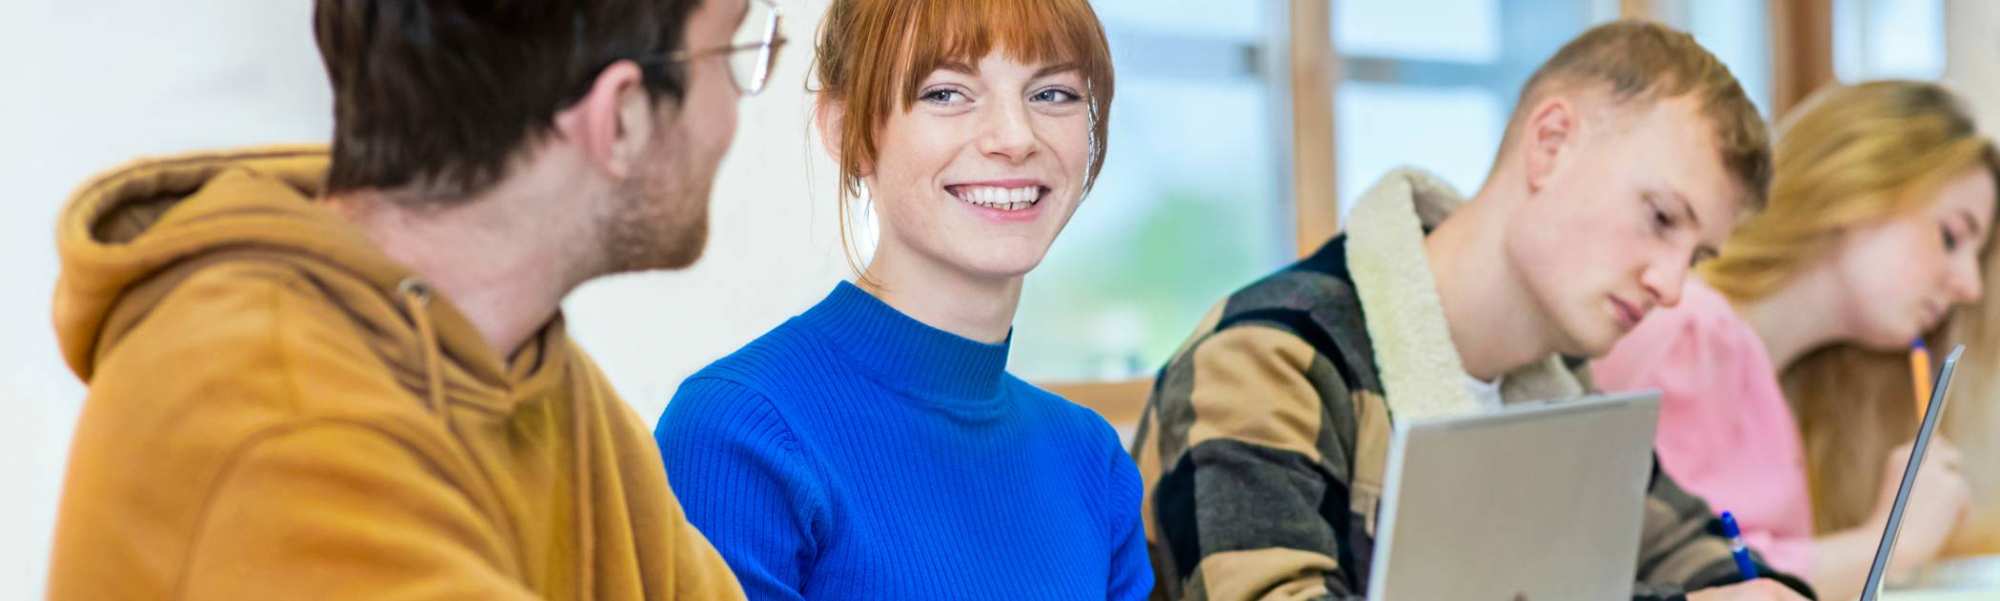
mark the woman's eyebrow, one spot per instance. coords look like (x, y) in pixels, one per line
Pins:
(1054, 69)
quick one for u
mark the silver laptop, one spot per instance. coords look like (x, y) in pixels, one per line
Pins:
(1538, 501)
(1931, 413)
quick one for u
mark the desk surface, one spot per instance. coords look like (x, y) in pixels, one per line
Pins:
(1962, 579)
(1941, 595)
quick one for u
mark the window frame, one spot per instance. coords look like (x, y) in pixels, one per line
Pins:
(1304, 98)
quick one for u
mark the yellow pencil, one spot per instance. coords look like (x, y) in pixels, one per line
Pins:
(1920, 372)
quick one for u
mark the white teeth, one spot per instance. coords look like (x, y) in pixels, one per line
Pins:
(1005, 199)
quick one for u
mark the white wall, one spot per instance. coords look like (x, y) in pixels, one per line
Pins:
(1972, 57)
(90, 84)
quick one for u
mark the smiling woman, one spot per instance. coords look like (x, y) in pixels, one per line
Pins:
(859, 450)
(863, 83)
(972, 183)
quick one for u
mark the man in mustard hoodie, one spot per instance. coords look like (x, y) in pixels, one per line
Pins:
(343, 374)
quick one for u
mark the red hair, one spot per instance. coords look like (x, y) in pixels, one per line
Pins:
(869, 60)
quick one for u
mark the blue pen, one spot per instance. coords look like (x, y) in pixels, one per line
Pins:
(1737, 548)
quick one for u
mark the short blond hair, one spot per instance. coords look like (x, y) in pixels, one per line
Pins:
(1644, 62)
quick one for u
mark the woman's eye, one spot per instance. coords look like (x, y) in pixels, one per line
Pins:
(942, 96)
(1950, 239)
(1055, 95)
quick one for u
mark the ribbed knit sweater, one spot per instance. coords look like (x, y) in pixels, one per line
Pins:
(856, 453)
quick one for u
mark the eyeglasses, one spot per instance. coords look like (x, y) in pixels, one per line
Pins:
(750, 71)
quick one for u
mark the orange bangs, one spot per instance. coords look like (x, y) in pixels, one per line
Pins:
(873, 54)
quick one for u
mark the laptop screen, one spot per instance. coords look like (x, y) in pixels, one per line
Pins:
(1935, 408)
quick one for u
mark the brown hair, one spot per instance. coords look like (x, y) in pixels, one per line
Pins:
(441, 94)
(1640, 61)
(869, 60)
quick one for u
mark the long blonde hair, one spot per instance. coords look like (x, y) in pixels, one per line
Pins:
(1851, 156)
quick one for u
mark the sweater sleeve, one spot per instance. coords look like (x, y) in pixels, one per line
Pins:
(1242, 502)
(1131, 569)
(1682, 547)
(744, 483)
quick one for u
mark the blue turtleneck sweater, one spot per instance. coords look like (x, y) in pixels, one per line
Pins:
(855, 453)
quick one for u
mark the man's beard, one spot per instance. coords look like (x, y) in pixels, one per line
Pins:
(660, 221)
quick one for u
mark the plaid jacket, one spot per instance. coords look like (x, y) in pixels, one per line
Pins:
(1264, 442)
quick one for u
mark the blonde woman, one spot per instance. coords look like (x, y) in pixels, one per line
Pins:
(1876, 232)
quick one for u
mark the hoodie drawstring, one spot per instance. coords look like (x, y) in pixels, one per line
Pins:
(417, 297)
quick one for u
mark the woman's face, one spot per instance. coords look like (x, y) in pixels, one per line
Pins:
(1900, 277)
(984, 169)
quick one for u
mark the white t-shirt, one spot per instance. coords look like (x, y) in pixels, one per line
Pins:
(1486, 394)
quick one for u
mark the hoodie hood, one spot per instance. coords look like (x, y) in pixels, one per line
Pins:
(128, 237)
(264, 375)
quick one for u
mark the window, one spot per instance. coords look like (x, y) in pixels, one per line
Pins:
(1888, 39)
(1188, 206)
(1737, 32)
(1196, 198)
(1430, 83)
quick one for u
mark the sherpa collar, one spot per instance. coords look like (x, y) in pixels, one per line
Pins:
(1418, 363)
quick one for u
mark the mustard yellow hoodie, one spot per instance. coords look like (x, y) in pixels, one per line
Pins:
(278, 410)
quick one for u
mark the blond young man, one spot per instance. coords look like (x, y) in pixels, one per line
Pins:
(1631, 154)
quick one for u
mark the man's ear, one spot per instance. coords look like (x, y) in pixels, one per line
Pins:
(829, 116)
(1546, 138)
(612, 123)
